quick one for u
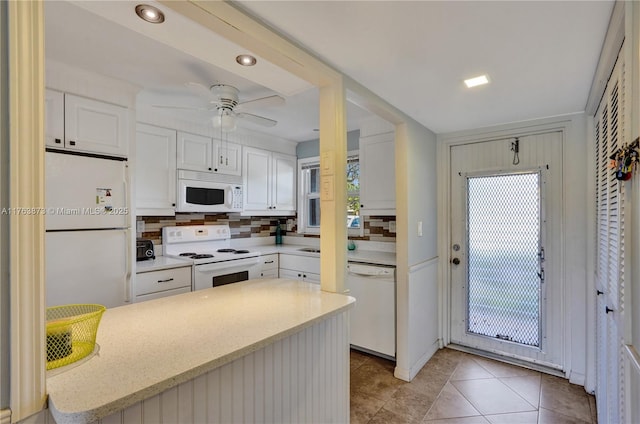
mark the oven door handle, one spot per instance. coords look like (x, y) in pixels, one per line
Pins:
(228, 265)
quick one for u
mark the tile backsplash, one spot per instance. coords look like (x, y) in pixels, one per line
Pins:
(376, 228)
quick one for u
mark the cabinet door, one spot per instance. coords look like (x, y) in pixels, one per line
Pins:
(311, 277)
(155, 170)
(194, 152)
(257, 179)
(378, 175)
(284, 183)
(94, 126)
(291, 274)
(54, 118)
(269, 273)
(227, 158)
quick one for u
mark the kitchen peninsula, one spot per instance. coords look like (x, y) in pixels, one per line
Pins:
(261, 350)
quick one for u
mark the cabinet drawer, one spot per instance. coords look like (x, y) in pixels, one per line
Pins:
(269, 262)
(167, 279)
(165, 293)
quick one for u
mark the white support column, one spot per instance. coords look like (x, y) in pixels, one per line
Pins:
(26, 138)
(333, 185)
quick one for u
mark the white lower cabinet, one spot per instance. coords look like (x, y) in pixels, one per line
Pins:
(303, 268)
(269, 266)
(166, 282)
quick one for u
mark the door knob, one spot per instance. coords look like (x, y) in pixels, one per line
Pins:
(455, 261)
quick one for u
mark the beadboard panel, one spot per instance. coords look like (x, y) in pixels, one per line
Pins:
(303, 378)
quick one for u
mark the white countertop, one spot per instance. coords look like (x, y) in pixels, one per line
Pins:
(149, 347)
(363, 256)
(159, 263)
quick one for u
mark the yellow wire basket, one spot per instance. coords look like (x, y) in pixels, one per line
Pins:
(71, 333)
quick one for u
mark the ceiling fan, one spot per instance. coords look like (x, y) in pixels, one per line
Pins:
(225, 107)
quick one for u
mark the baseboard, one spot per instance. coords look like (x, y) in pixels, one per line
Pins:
(407, 374)
(5, 416)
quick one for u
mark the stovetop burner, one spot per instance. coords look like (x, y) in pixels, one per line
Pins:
(188, 254)
(202, 256)
(228, 250)
(240, 252)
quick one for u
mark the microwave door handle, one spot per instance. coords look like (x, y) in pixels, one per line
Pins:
(229, 197)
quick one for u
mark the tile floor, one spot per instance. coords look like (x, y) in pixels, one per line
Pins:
(456, 387)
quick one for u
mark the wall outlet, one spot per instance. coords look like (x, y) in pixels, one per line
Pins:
(392, 226)
(419, 228)
(139, 226)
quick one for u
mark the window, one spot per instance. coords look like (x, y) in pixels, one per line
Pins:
(309, 195)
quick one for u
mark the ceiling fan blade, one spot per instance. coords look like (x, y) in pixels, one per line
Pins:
(255, 119)
(201, 91)
(203, 109)
(269, 101)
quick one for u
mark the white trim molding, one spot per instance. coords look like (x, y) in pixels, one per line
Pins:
(26, 238)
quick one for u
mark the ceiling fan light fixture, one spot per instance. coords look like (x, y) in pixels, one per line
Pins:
(246, 60)
(225, 120)
(475, 81)
(150, 14)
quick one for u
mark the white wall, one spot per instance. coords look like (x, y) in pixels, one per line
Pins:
(416, 272)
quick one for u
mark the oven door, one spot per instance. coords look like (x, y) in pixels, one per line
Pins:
(227, 272)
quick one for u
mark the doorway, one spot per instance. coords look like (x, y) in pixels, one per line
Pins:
(506, 291)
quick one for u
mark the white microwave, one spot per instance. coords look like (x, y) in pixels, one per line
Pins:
(203, 192)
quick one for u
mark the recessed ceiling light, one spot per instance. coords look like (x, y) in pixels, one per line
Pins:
(150, 14)
(472, 82)
(246, 60)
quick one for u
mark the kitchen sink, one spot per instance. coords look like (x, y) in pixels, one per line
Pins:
(310, 250)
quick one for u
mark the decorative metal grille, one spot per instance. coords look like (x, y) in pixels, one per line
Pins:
(504, 257)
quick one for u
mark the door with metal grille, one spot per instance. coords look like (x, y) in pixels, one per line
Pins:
(505, 293)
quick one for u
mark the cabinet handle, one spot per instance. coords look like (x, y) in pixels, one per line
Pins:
(209, 169)
(215, 169)
(607, 309)
(173, 204)
(72, 143)
(268, 262)
(598, 292)
(57, 141)
(362, 206)
(165, 281)
(304, 275)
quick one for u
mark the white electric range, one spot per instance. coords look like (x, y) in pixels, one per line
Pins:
(209, 247)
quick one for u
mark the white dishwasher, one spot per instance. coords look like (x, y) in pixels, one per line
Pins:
(373, 319)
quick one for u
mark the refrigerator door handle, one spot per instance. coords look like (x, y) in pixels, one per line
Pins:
(127, 278)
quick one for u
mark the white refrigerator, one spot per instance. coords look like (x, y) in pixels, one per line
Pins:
(88, 232)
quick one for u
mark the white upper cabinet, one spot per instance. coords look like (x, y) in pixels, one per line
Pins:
(85, 125)
(155, 171)
(227, 157)
(54, 118)
(269, 182)
(378, 175)
(204, 154)
(95, 126)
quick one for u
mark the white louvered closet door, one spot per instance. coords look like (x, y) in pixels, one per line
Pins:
(610, 135)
